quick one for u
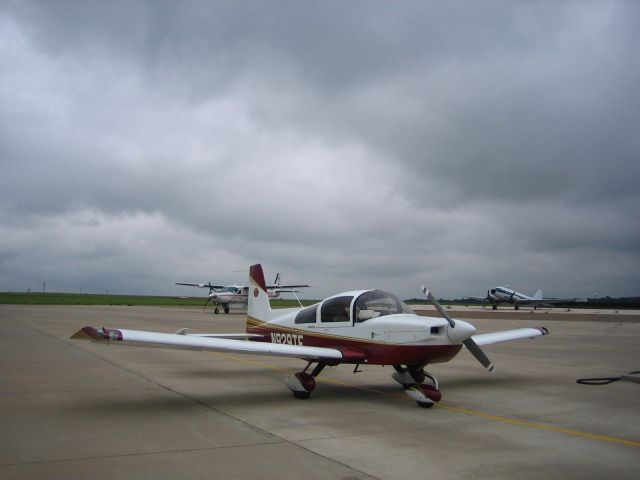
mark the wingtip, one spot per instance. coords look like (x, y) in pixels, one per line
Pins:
(95, 335)
(88, 333)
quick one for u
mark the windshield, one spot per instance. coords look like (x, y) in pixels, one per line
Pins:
(377, 303)
(229, 290)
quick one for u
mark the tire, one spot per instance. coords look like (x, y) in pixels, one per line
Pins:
(302, 395)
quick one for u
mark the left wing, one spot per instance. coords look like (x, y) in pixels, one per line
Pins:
(200, 285)
(181, 340)
(480, 299)
(509, 335)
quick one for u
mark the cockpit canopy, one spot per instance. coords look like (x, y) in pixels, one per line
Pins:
(376, 303)
(343, 309)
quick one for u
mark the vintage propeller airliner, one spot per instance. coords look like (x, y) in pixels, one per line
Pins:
(363, 327)
(498, 295)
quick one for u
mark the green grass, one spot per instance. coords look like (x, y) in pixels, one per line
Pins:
(131, 300)
(92, 299)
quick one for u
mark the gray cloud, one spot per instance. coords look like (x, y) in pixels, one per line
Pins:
(349, 145)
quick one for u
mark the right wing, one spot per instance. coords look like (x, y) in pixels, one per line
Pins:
(207, 343)
(286, 287)
(549, 301)
(509, 335)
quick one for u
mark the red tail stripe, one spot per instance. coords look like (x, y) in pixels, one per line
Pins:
(256, 274)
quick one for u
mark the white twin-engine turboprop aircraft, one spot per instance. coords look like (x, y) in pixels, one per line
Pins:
(358, 327)
(227, 295)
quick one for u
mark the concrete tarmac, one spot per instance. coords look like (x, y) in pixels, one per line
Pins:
(72, 409)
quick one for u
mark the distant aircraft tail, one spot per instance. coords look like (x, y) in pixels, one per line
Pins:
(259, 308)
(538, 295)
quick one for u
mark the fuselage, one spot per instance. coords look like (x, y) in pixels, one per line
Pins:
(368, 326)
(504, 294)
(236, 294)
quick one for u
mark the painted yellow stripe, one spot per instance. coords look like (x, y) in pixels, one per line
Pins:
(450, 408)
(540, 426)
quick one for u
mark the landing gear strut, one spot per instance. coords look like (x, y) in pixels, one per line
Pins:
(302, 383)
(412, 378)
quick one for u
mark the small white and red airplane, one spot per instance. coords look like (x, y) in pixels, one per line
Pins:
(362, 327)
(227, 295)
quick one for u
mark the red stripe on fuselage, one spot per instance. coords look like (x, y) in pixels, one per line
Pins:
(376, 353)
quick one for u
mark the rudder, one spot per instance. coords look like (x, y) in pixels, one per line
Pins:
(258, 307)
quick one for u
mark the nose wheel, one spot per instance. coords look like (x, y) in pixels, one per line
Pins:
(413, 379)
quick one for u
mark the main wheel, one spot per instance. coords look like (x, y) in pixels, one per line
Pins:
(301, 395)
(425, 404)
(216, 311)
(226, 309)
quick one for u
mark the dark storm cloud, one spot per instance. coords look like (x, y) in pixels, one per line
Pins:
(369, 143)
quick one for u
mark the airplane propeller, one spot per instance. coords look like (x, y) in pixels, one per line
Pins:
(211, 297)
(472, 346)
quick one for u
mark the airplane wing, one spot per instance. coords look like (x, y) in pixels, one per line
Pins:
(509, 335)
(482, 299)
(200, 285)
(548, 301)
(288, 287)
(232, 336)
(206, 343)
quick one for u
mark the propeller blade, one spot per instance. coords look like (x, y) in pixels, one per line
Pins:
(435, 303)
(206, 303)
(477, 352)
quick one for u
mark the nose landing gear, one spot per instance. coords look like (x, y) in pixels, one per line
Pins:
(412, 379)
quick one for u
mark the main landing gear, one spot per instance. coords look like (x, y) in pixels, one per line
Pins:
(303, 383)
(217, 310)
(412, 378)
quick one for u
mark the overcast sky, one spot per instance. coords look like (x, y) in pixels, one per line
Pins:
(460, 145)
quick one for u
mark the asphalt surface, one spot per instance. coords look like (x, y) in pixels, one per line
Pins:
(73, 409)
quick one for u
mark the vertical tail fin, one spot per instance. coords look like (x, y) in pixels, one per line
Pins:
(259, 307)
(538, 295)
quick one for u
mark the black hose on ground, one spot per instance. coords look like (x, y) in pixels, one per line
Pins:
(608, 380)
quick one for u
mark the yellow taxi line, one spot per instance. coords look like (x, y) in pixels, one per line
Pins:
(451, 408)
